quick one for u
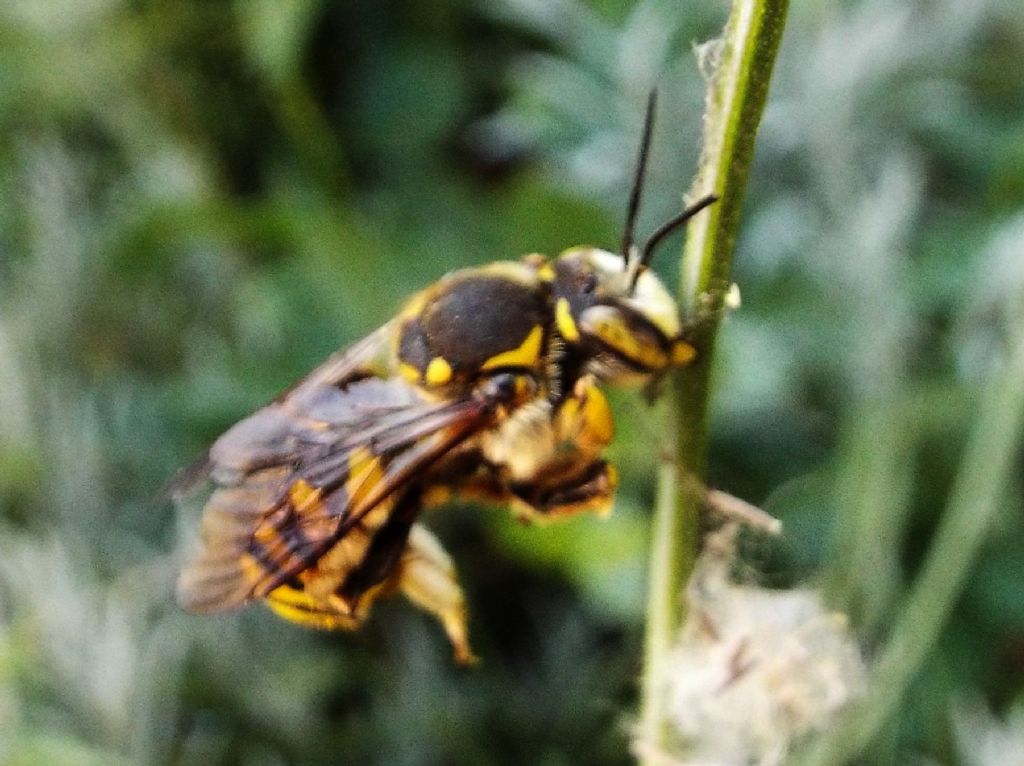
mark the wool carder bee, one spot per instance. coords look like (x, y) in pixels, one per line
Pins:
(486, 385)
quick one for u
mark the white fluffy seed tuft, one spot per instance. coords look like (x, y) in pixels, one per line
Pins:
(755, 670)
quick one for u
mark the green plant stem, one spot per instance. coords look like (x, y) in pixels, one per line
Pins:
(737, 88)
(863, 577)
(974, 503)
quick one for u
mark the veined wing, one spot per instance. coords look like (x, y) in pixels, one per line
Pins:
(300, 474)
(365, 358)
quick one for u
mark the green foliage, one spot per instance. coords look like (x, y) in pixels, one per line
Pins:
(201, 200)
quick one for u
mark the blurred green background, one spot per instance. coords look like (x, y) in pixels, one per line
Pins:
(201, 200)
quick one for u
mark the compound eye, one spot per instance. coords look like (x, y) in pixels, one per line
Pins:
(589, 284)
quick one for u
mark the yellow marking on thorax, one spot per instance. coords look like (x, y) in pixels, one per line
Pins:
(518, 272)
(526, 355)
(546, 273)
(409, 372)
(438, 372)
(414, 306)
(564, 321)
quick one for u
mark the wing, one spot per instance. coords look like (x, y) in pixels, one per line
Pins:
(325, 461)
(365, 358)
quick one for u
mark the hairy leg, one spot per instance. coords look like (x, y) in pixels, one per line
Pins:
(426, 576)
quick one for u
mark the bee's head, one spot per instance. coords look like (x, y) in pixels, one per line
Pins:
(611, 309)
(627, 332)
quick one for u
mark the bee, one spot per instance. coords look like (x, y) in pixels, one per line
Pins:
(486, 385)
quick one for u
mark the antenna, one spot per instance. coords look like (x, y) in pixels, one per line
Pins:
(638, 178)
(664, 230)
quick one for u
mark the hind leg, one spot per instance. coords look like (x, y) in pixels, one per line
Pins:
(426, 576)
